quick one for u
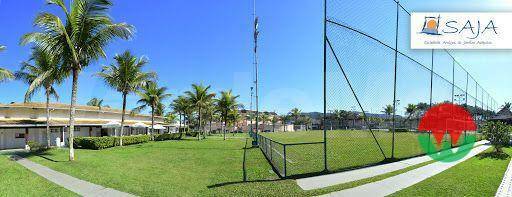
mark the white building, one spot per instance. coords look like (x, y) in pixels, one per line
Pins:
(23, 122)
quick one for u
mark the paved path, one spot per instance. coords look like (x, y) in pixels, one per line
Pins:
(73, 184)
(505, 189)
(396, 183)
(322, 181)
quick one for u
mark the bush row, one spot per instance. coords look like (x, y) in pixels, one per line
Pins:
(98, 143)
(168, 136)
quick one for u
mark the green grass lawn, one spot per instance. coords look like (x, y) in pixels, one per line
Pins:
(478, 176)
(211, 167)
(346, 149)
(16, 180)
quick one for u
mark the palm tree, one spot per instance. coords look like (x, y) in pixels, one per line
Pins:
(274, 120)
(210, 112)
(200, 98)
(264, 118)
(410, 110)
(77, 40)
(97, 102)
(180, 106)
(285, 118)
(295, 113)
(506, 106)
(126, 76)
(234, 118)
(151, 96)
(225, 104)
(4, 74)
(43, 74)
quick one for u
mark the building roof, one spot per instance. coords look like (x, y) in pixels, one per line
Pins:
(61, 122)
(62, 106)
(503, 114)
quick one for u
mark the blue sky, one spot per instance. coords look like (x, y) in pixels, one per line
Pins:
(210, 42)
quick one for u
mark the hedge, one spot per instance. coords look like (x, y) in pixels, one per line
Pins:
(168, 136)
(98, 143)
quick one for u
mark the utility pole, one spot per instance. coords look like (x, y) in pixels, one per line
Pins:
(256, 33)
(251, 116)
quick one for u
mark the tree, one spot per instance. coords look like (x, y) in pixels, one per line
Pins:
(4, 73)
(234, 118)
(498, 133)
(506, 106)
(225, 104)
(151, 96)
(388, 110)
(410, 110)
(97, 102)
(285, 118)
(210, 112)
(77, 40)
(126, 76)
(264, 118)
(295, 113)
(200, 98)
(44, 73)
(274, 120)
(180, 105)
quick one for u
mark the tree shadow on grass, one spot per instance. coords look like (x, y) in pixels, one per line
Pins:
(493, 155)
(239, 182)
(42, 154)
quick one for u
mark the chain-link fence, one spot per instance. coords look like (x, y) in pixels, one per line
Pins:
(376, 90)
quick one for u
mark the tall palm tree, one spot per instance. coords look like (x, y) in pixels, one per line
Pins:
(388, 110)
(151, 96)
(77, 40)
(126, 76)
(274, 120)
(295, 113)
(285, 118)
(264, 119)
(4, 73)
(225, 104)
(180, 106)
(43, 74)
(97, 102)
(200, 98)
(410, 110)
(210, 112)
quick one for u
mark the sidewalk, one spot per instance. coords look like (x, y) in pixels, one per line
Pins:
(322, 181)
(396, 183)
(505, 188)
(73, 184)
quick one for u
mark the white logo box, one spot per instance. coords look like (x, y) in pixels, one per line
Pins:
(461, 30)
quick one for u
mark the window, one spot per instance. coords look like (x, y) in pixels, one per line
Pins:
(19, 135)
(77, 129)
(54, 130)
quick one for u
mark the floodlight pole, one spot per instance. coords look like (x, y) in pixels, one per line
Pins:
(256, 66)
(325, 86)
(251, 113)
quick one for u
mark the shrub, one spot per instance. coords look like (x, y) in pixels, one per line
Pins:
(168, 136)
(498, 134)
(134, 139)
(192, 133)
(97, 143)
(401, 130)
(36, 146)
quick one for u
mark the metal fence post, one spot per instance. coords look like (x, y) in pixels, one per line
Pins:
(325, 85)
(284, 159)
(271, 150)
(394, 82)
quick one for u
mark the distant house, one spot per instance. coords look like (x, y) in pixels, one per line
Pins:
(23, 122)
(504, 115)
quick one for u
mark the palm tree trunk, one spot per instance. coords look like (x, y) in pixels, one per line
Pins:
(48, 140)
(200, 126)
(152, 121)
(122, 120)
(179, 128)
(74, 91)
(210, 129)
(224, 130)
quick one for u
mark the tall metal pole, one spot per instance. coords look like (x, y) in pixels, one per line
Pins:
(325, 87)
(394, 84)
(251, 114)
(256, 65)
